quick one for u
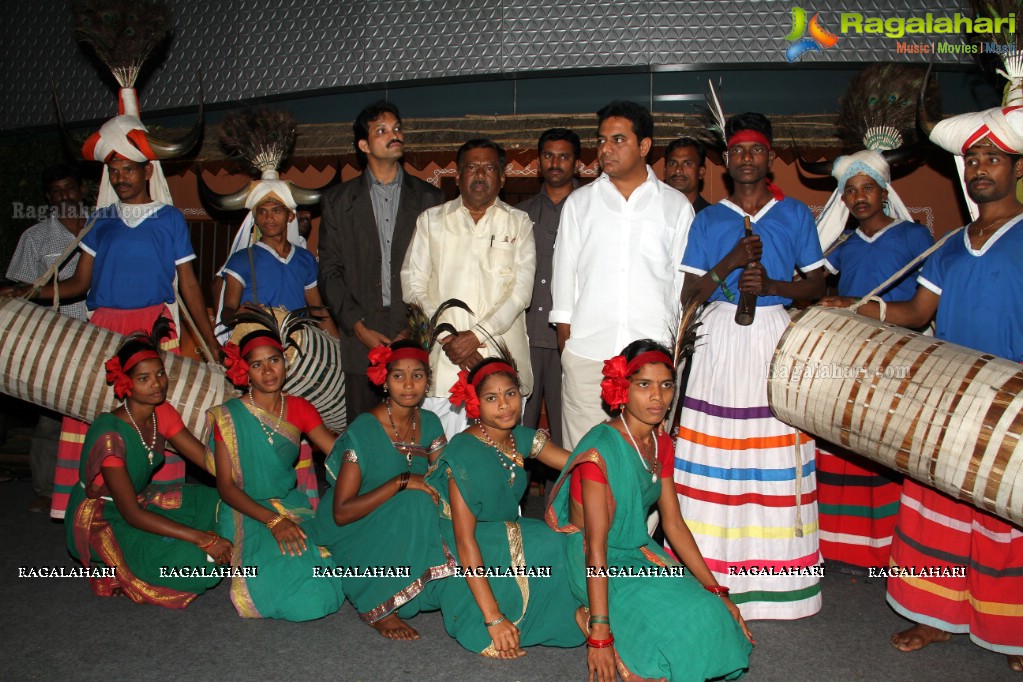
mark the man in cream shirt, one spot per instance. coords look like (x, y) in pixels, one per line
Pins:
(480, 250)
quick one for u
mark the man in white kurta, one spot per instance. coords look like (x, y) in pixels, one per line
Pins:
(617, 261)
(480, 250)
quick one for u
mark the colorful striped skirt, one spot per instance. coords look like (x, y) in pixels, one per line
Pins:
(967, 569)
(746, 481)
(858, 501)
(72, 433)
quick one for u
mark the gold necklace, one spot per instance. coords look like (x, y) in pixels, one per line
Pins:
(403, 445)
(508, 450)
(280, 418)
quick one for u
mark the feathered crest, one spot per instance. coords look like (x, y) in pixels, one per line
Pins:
(425, 330)
(261, 136)
(714, 118)
(122, 32)
(684, 340)
(879, 110)
(162, 328)
(1012, 57)
(283, 324)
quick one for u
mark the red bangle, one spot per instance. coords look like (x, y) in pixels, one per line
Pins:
(719, 590)
(600, 643)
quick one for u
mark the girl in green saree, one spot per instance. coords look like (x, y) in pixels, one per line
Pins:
(514, 592)
(115, 520)
(376, 472)
(254, 443)
(665, 625)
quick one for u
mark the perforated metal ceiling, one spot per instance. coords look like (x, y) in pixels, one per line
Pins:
(255, 49)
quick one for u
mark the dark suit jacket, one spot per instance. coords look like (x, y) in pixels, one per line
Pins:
(349, 278)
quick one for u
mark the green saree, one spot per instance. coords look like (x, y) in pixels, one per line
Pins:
(295, 588)
(97, 534)
(402, 533)
(664, 627)
(541, 606)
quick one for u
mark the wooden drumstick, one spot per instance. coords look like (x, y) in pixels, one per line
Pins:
(747, 308)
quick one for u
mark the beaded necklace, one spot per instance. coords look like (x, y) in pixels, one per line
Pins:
(639, 453)
(508, 450)
(280, 418)
(404, 445)
(149, 448)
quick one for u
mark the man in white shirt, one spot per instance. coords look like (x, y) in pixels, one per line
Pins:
(616, 262)
(480, 250)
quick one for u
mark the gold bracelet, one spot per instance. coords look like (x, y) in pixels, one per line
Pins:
(275, 520)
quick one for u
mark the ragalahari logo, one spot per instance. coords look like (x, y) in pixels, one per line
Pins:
(819, 39)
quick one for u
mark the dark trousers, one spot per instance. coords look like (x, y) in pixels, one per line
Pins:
(360, 395)
(546, 388)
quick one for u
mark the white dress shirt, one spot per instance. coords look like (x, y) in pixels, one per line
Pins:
(617, 275)
(489, 265)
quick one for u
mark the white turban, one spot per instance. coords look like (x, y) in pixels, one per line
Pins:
(270, 188)
(835, 214)
(1002, 125)
(124, 135)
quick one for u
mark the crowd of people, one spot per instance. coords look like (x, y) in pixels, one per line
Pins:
(569, 302)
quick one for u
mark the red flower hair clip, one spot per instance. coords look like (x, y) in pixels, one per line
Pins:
(614, 389)
(379, 357)
(237, 368)
(117, 378)
(464, 393)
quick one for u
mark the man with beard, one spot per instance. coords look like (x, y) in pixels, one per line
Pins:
(480, 250)
(973, 287)
(616, 263)
(38, 250)
(557, 156)
(746, 480)
(685, 162)
(365, 230)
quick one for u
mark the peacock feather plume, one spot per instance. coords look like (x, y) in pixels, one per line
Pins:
(123, 33)
(260, 135)
(879, 110)
(283, 324)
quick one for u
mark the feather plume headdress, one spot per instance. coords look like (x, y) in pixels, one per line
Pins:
(1012, 56)
(282, 327)
(123, 35)
(263, 137)
(878, 113)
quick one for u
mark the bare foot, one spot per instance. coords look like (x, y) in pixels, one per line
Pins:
(918, 636)
(1016, 663)
(582, 619)
(393, 627)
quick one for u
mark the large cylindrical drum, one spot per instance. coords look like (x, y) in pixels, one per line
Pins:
(57, 362)
(945, 415)
(317, 375)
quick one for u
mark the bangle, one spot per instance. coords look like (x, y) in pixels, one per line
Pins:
(599, 620)
(728, 293)
(403, 481)
(213, 540)
(495, 622)
(719, 590)
(275, 520)
(600, 643)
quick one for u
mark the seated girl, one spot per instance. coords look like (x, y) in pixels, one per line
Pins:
(480, 479)
(376, 472)
(115, 520)
(643, 615)
(254, 443)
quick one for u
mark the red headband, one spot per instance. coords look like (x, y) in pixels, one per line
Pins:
(260, 341)
(464, 393)
(754, 136)
(748, 136)
(117, 374)
(614, 389)
(381, 356)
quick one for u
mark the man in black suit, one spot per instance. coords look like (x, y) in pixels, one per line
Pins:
(366, 228)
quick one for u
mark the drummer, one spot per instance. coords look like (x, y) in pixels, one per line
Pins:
(975, 286)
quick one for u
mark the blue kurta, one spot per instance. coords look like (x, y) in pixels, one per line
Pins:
(279, 282)
(981, 292)
(786, 228)
(865, 262)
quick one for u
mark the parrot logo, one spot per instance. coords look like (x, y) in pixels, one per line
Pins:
(818, 40)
